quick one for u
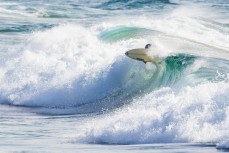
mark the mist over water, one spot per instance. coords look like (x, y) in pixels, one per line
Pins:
(68, 58)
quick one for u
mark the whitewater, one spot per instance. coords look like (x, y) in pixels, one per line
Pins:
(66, 84)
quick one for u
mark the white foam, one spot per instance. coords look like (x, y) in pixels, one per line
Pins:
(62, 66)
(197, 114)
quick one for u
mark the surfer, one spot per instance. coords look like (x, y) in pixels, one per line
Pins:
(147, 46)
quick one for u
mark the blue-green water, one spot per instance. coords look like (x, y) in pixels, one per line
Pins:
(67, 86)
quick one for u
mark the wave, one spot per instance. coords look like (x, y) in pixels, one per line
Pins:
(49, 14)
(25, 28)
(133, 4)
(168, 115)
(84, 68)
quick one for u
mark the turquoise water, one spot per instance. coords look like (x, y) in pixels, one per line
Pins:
(67, 86)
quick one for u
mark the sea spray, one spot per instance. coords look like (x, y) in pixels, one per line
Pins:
(189, 114)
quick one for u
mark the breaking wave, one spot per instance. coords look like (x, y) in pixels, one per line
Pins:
(71, 69)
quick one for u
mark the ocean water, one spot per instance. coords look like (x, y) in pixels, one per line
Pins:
(67, 86)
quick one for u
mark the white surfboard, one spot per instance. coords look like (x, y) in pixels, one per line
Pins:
(142, 54)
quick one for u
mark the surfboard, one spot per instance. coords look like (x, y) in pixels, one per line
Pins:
(141, 54)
